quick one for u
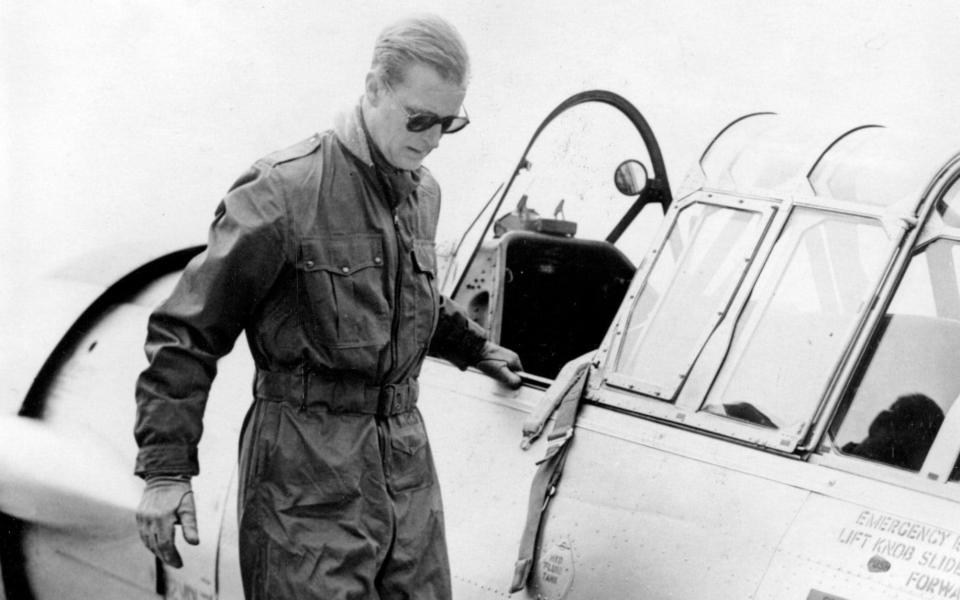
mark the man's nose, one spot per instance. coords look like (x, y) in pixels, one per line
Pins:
(432, 136)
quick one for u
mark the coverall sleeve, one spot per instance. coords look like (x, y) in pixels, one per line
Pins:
(457, 339)
(211, 304)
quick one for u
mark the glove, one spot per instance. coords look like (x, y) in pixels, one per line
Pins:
(167, 501)
(501, 364)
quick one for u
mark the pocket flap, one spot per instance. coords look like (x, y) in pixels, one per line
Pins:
(342, 255)
(408, 435)
(409, 442)
(425, 256)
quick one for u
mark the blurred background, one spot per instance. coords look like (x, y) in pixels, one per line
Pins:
(126, 120)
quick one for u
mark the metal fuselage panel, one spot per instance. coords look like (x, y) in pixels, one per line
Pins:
(475, 431)
(648, 510)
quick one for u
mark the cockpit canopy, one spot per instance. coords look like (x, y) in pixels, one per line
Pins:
(777, 273)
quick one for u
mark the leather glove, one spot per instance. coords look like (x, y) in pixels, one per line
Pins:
(167, 501)
(501, 364)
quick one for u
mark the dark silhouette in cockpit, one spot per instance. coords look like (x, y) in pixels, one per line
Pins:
(902, 434)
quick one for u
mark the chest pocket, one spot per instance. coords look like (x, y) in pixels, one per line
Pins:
(344, 290)
(425, 265)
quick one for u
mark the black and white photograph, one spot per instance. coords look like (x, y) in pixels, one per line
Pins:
(445, 299)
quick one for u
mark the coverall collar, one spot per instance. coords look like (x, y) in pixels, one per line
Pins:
(351, 130)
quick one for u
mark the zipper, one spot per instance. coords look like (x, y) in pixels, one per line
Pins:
(305, 385)
(397, 293)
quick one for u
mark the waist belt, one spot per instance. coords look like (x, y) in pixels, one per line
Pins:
(337, 395)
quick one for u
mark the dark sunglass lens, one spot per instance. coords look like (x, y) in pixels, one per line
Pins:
(453, 124)
(418, 123)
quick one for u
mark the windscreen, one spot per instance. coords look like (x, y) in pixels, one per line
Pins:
(689, 286)
(811, 295)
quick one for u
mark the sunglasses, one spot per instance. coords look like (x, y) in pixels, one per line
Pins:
(422, 121)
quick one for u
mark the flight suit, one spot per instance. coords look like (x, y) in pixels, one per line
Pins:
(329, 267)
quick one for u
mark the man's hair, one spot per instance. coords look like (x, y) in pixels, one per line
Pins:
(425, 39)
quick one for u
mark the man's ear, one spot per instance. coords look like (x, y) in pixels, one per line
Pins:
(373, 88)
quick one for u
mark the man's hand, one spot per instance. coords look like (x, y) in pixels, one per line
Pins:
(501, 364)
(167, 501)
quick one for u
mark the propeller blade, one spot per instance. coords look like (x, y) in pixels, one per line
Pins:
(65, 480)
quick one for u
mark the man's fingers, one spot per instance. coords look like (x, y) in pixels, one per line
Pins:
(145, 536)
(187, 513)
(166, 548)
(508, 377)
(501, 364)
(167, 551)
(157, 535)
(500, 370)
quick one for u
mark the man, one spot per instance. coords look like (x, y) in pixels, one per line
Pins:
(324, 254)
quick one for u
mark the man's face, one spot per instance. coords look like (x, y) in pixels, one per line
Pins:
(421, 91)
